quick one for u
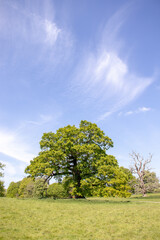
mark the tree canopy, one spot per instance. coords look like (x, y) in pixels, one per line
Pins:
(79, 154)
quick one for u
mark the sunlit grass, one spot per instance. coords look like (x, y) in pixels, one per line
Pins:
(94, 218)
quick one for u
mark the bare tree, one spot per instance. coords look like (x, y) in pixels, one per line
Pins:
(139, 167)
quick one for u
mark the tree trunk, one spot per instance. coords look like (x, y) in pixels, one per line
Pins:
(143, 188)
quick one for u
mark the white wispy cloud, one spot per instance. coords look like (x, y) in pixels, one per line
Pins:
(139, 110)
(103, 116)
(107, 78)
(52, 32)
(144, 109)
(12, 145)
(104, 77)
(33, 29)
(43, 119)
(21, 22)
(129, 113)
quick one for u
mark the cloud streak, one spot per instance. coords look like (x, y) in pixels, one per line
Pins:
(43, 120)
(28, 25)
(103, 78)
(139, 110)
(33, 35)
(52, 32)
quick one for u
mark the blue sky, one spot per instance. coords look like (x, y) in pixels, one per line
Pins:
(66, 61)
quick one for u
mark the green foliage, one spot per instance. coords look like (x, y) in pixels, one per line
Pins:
(26, 188)
(40, 188)
(56, 190)
(80, 154)
(110, 180)
(29, 189)
(131, 179)
(2, 189)
(13, 189)
(68, 185)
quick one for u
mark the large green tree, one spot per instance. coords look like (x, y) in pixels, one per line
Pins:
(77, 153)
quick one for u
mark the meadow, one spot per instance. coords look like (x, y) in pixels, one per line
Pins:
(91, 219)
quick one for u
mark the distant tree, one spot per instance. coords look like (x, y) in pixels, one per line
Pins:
(138, 167)
(56, 190)
(151, 183)
(40, 188)
(1, 168)
(13, 189)
(131, 179)
(80, 154)
(2, 189)
(29, 190)
(26, 188)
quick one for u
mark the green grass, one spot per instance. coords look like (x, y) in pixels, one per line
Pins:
(94, 218)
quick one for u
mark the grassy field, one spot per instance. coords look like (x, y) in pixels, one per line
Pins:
(94, 218)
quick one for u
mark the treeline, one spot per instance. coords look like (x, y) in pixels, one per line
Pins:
(39, 188)
(27, 188)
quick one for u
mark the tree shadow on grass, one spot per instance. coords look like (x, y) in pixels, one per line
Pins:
(89, 201)
(109, 201)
